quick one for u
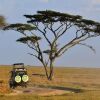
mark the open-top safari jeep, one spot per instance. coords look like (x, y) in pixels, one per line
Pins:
(18, 76)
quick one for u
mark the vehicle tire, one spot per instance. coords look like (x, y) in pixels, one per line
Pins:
(11, 85)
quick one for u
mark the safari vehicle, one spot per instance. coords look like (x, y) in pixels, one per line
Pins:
(18, 76)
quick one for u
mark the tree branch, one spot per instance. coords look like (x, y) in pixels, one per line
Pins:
(32, 47)
(74, 42)
(34, 56)
(58, 36)
(51, 29)
(90, 47)
(46, 62)
(59, 27)
(66, 27)
(44, 34)
(71, 43)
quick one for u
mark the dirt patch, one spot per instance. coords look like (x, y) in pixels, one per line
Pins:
(54, 92)
(39, 91)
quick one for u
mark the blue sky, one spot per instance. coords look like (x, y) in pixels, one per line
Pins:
(12, 52)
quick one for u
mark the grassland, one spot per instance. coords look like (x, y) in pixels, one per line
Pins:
(85, 79)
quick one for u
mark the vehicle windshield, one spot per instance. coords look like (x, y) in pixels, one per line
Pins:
(20, 73)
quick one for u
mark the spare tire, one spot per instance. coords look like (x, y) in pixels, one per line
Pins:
(17, 79)
(25, 78)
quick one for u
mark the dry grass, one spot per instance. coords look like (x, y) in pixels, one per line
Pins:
(81, 77)
(77, 78)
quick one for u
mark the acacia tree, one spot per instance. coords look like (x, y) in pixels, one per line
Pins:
(51, 26)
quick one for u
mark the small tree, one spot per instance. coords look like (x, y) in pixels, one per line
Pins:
(2, 22)
(51, 26)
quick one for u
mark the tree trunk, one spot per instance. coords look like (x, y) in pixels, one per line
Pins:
(51, 73)
(46, 72)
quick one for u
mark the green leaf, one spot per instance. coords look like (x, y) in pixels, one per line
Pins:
(51, 16)
(32, 39)
(88, 22)
(20, 27)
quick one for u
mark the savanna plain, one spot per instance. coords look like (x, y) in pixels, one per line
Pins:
(69, 83)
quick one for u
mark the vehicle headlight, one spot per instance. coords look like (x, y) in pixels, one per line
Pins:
(17, 79)
(25, 78)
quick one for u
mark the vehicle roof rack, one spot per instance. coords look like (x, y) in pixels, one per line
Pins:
(18, 64)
